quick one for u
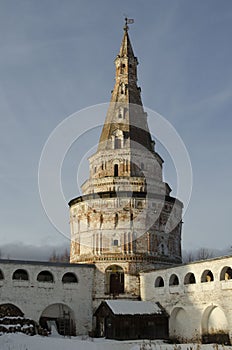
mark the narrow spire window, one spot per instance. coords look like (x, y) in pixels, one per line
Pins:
(116, 220)
(101, 220)
(88, 220)
(131, 220)
(121, 113)
(118, 143)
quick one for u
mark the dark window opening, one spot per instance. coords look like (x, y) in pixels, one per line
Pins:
(69, 277)
(116, 220)
(159, 282)
(226, 274)
(115, 242)
(20, 275)
(45, 276)
(174, 280)
(207, 276)
(131, 220)
(189, 278)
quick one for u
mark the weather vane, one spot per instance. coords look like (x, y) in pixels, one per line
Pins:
(128, 21)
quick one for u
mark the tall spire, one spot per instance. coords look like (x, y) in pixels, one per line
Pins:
(124, 220)
(126, 112)
(126, 48)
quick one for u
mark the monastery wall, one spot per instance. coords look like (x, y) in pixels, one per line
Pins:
(197, 296)
(49, 298)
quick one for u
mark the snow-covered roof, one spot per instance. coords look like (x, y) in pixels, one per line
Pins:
(129, 307)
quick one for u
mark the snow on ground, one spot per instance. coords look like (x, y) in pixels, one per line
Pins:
(24, 342)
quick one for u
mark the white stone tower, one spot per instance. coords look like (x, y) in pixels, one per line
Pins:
(125, 221)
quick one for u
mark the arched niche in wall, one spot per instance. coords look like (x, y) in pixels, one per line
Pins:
(190, 278)
(21, 275)
(207, 276)
(179, 325)
(69, 277)
(226, 273)
(58, 316)
(159, 282)
(45, 276)
(214, 324)
(173, 280)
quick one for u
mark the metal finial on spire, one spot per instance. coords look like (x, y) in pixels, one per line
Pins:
(128, 21)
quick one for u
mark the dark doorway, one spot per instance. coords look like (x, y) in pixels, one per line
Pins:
(116, 170)
(116, 283)
(58, 318)
(114, 280)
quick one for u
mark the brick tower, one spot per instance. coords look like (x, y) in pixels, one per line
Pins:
(125, 221)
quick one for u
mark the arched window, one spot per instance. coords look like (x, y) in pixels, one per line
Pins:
(174, 280)
(69, 277)
(45, 276)
(207, 276)
(115, 170)
(21, 275)
(1, 275)
(159, 282)
(114, 283)
(189, 278)
(226, 273)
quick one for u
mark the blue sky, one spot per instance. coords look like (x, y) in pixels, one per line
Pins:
(57, 58)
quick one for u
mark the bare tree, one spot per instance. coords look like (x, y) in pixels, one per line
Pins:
(188, 256)
(199, 254)
(65, 257)
(204, 254)
(54, 257)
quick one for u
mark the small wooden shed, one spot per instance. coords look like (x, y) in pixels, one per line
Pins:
(127, 319)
